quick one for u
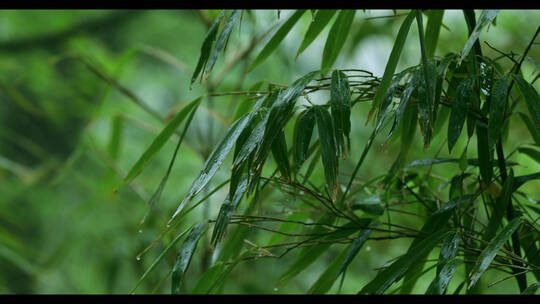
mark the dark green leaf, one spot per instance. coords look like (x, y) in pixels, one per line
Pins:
(158, 143)
(485, 154)
(446, 266)
(340, 103)
(485, 18)
(223, 37)
(321, 19)
(353, 250)
(520, 180)
(302, 136)
(531, 289)
(496, 109)
(460, 106)
(487, 255)
(531, 98)
(225, 212)
(327, 279)
(274, 42)
(336, 38)
(184, 255)
(279, 151)
(328, 149)
(206, 47)
(532, 129)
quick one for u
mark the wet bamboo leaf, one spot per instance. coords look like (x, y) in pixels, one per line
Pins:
(531, 289)
(531, 99)
(405, 96)
(487, 255)
(336, 38)
(520, 180)
(433, 28)
(279, 151)
(208, 279)
(206, 47)
(532, 129)
(485, 154)
(216, 158)
(371, 204)
(231, 202)
(394, 272)
(446, 266)
(460, 106)
(530, 152)
(328, 149)
(340, 103)
(496, 109)
(485, 18)
(158, 143)
(426, 103)
(392, 61)
(302, 136)
(183, 257)
(274, 42)
(223, 38)
(353, 250)
(320, 20)
(499, 209)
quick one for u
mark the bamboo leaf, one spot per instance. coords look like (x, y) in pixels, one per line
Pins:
(485, 18)
(485, 154)
(460, 106)
(433, 28)
(499, 209)
(487, 255)
(392, 61)
(496, 109)
(530, 152)
(353, 250)
(396, 271)
(206, 47)
(302, 136)
(223, 38)
(531, 289)
(274, 42)
(207, 280)
(405, 96)
(321, 19)
(216, 158)
(279, 151)
(158, 143)
(327, 279)
(532, 129)
(183, 257)
(340, 103)
(447, 265)
(328, 149)
(336, 39)
(531, 99)
(520, 180)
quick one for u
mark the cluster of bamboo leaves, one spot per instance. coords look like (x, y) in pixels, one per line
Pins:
(439, 95)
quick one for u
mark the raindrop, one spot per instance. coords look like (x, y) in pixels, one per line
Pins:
(138, 258)
(140, 230)
(368, 248)
(275, 289)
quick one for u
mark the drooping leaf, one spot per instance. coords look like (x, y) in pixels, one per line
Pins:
(447, 265)
(328, 149)
(496, 109)
(183, 257)
(392, 61)
(274, 42)
(485, 18)
(530, 152)
(433, 28)
(223, 37)
(279, 151)
(531, 99)
(394, 272)
(326, 279)
(353, 250)
(460, 107)
(485, 154)
(426, 102)
(158, 143)
(499, 209)
(487, 255)
(302, 136)
(336, 38)
(520, 180)
(405, 96)
(225, 212)
(206, 47)
(207, 280)
(340, 103)
(531, 289)
(321, 19)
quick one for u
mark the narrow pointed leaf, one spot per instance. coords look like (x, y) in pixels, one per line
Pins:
(499, 209)
(535, 134)
(353, 250)
(340, 103)
(336, 38)
(485, 18)
(207, 280)
(302, 136)
(274, 42)
(447, 265)
(460, 106)
(321, 19)
(206, 47)
(496, 109)
(433, 28)
(410, 87)
(487, 255)
(279, 151)
(226, 210)
(393, 61)
(394, 272)
(531, 99)
(328, 149)
(183, 257)
(531, 289)
(223, 37)
(530, 152)
(485, 154)
(158, 143)
(327, 279)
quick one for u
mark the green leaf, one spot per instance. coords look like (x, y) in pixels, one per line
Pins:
(520, 180)
(487, 255)
(405, 96)
(302, 136)
(447, 265)
(485, 154)
(460, 107)
(279, 151)
(116, 132)
(321, 19)
(208, 279)
(336, 38)
(392, 61)
(327, 278)
(340, 103)
(328, 149)
(426, 103)
(369, 204)
(532, 129)
(531, 98)
(183, 257)
(158, 143)
(157, 260)
(223, 38)
(206, 47)
(353, 250)
(433, 28)
(215, 159)
(274, 42)
(531, 289)
(485, 18)
(530, 152)
(496, 109)
(394, 272)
